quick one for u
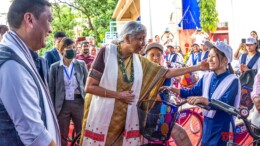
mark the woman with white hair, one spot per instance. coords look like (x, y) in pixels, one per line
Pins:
(118, 80)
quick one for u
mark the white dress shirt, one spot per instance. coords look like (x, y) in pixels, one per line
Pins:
(70, 80)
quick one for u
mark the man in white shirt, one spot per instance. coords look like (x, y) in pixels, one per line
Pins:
(26, 111)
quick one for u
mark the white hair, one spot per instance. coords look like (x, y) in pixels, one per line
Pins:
(132, 29)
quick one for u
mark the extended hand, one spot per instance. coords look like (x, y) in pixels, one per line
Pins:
(126, 96)
(204, 65)
(197, 99)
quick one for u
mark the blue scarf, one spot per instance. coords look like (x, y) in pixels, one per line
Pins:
(251, 62)
(205, 55)
(197, 59)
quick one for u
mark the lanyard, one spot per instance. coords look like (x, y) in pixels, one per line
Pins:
(69, 76)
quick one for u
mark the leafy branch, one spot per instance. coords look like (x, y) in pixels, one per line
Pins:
(208, 15)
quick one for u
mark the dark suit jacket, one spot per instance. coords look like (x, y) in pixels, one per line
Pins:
(56, 82)
(52, 56)
(42, 66)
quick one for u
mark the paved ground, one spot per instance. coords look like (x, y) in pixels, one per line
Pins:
(194, 137)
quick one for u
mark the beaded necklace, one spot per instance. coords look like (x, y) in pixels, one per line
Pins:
(122, 66)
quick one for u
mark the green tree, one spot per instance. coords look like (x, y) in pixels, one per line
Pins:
(97, 15)
(208, 15)
(92, 15)
(63, 20)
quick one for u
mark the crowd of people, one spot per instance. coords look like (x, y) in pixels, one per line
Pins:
(98, 88)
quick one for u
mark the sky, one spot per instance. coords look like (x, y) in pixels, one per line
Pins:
(4, 5)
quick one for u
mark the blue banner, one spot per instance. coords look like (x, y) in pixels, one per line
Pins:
(190, 14)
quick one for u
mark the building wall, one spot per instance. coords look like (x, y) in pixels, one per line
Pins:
(155, 15)
(157, 19)
(185, 39)
(240, 15)
(244, 17)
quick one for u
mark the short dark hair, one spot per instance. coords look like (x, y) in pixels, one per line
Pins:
(65, 42)
(19, 7)
(59, 35)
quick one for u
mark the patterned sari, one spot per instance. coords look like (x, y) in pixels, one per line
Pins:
(153, 78)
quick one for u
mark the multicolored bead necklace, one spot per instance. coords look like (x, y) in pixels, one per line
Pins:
(123, 68)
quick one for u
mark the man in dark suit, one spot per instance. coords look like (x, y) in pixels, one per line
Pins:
(41, 66)
(53, 55)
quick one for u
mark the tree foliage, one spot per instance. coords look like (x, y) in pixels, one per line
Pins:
(208, 15)
(63, 20)
(91, 15)
(96, 13)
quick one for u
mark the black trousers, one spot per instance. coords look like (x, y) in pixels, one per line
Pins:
(71, 110)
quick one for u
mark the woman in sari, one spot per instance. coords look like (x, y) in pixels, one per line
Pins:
(119, 78)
